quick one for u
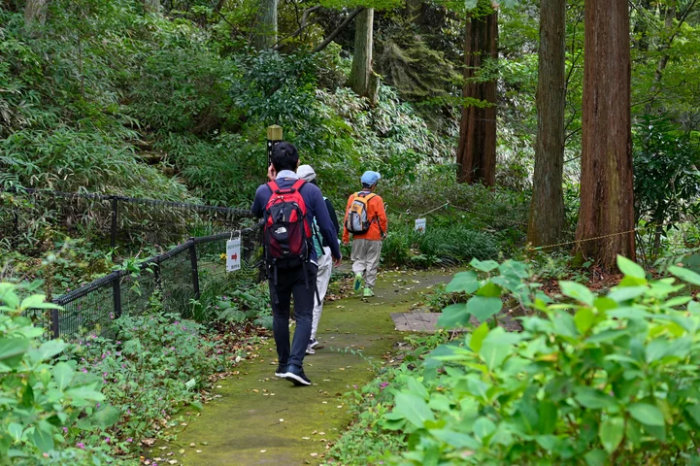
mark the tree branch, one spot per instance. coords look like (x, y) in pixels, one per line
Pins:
(302, 25)
(337, 31)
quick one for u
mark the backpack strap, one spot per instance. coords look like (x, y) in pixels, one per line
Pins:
(273, 186)
(298, 184)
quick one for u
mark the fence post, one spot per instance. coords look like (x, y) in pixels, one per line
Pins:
(54, 322)
(195, 270)
(115, 206)
(117, 295)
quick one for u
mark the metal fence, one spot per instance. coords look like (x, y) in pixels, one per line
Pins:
(177, 279)
(109, 219)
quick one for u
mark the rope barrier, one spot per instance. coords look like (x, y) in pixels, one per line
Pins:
(547, 246)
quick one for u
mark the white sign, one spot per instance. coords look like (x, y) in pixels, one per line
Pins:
(233, 254)
(420, 225)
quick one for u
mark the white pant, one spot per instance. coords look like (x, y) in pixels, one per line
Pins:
(365, 259)
(323, 276)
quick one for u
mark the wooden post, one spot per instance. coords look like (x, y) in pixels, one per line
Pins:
(274, 135)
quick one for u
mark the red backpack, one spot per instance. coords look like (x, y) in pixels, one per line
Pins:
(286, 232)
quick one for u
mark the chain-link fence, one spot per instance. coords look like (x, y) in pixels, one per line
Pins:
(176, 279)
(109, 220)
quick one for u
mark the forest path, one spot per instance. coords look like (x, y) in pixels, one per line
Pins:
(262, 419)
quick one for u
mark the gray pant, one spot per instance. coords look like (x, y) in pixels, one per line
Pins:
(365, 259)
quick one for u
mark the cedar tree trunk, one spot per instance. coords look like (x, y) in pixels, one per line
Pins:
(607, 194)
(360, 79)
(266, 25)
(476, 153)
(547, 206)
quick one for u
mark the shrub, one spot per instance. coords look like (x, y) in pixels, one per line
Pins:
(609, 378)
(48, 410)
(154, 364)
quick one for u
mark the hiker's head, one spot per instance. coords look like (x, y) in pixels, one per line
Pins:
(284, 157)
(306, 173)
(369, 179)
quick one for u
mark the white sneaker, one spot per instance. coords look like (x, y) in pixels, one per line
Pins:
(310, 350)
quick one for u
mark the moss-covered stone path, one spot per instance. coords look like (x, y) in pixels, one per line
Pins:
(261, 419)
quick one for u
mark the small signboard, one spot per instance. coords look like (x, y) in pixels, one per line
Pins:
(420, 225)
(233, 254)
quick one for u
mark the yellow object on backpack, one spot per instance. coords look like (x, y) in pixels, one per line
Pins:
(358, 222)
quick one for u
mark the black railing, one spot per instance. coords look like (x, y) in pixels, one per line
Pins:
(177, 278)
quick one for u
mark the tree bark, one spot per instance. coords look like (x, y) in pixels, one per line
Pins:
(607, 193)
(35, 12)
(361, 72)
(152, 6)
(266, 25)
(547, 216)
(476, 153)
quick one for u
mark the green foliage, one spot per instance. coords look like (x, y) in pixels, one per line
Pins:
(154, 364)
(48, 407)
(667, 180)
(592, 378)
(441, 244)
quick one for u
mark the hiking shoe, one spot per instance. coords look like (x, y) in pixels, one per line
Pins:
(310, 350)
(368, 293)
(313, 343)
(296, 376)
(281, 370)
(357, 284)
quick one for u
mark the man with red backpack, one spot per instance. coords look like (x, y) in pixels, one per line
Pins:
(366, 220)
(288, 206)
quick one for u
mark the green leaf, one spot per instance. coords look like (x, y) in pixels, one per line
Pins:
(43, 440)
(647, 414)
(484, 266)
(466, 282)
(107, 416)
(413, 408)
(12, 350)
(49, 349)
(478, 337)
(611, 432)
(584, 319)
(496, 347)
(483, 427)
(489, 289)
(685, 274)
(8, 296)
(63, 374)
(630, 268)
(454, 316)
(15, 431)
(86, 392)
(37, 301)
(548, 417)
(455, 439)
(625, 293)
(577, 291)
(593, 399)
(595, 457)
(483, 307)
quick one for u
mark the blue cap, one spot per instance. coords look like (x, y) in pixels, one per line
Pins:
(370, 178)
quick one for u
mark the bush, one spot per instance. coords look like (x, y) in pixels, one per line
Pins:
(609, 378)
(155, 364)
(50, 411)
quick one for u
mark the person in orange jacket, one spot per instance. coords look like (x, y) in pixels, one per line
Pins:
(366, 220)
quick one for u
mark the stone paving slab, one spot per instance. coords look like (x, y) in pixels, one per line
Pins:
(422, 322)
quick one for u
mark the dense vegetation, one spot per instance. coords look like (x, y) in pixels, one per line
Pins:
(170, 100)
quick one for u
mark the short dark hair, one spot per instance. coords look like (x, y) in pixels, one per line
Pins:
(365, 185)
(284, 156)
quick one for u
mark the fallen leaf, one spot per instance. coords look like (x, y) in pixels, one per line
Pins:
(263, 451)
(148, 441)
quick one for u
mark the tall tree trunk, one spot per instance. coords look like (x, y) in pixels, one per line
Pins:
(476, 153)
(547, 206)
(266, 25)
(360, 79)
(607, 193)
(35, 12)
(152, 6)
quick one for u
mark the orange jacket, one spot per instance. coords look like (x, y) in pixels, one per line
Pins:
(375, 212)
